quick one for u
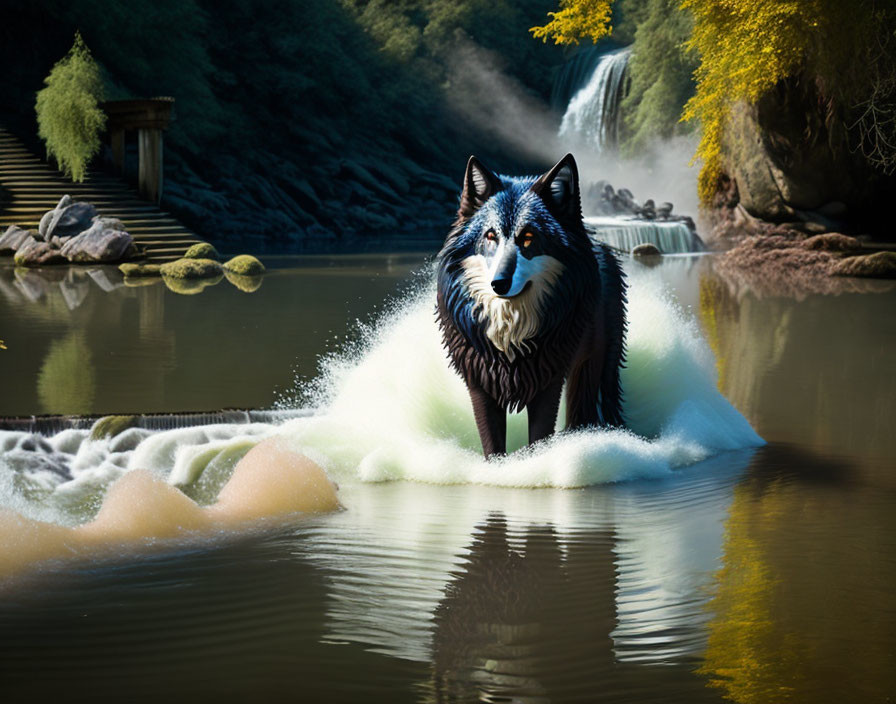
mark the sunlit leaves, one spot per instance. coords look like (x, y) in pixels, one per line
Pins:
(68, 114)
(577, 19)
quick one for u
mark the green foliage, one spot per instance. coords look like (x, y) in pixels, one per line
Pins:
(661, 75)
(68, 114)
(744, 49)
(422, 34)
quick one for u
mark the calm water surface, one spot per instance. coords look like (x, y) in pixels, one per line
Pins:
(756, 576)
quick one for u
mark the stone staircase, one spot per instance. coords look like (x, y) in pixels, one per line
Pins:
(29, 187)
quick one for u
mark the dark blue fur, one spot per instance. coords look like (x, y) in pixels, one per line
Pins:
(463, 242)
(579, 342)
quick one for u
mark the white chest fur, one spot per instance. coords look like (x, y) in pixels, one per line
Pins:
(511, 320)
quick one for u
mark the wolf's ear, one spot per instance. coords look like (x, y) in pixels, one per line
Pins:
(480, 184)
(559, 188)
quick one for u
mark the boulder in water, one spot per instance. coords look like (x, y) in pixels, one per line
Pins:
(192, 269)
(246, 265)
(646, 249)
(140, 270)
(35, 253)
(13, 238)
(880, 265)
(832, 242)
(202, 250)
(648, 210)
(67, 219)
(104, 241)
(110, 426)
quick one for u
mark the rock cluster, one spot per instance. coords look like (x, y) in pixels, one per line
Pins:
(602, 199)
(197, 270)
(72, 232)
(789, 263)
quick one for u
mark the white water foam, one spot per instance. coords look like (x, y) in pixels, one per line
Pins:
(397, 411)
(393, 410)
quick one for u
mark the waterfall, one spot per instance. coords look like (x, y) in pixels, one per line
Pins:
(591, 123)
(593, 112)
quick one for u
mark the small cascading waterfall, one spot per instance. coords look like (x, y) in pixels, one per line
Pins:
(592, 115)
(592, 122)
(673, 237)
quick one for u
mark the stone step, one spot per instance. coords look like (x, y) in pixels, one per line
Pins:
(33, 187)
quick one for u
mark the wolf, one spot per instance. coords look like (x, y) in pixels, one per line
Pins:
(528, 303)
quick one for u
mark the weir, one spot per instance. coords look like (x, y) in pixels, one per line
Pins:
(628, 233)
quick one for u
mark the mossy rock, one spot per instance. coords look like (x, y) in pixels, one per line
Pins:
(245, 265)
(190, 287)
(191, 269)
(140, 270)
(646, 249)
(203, 250)
(247, 284)
(110, 426)
(881, 265)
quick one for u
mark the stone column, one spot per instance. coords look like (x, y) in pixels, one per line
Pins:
(116, 140)
(149, 181)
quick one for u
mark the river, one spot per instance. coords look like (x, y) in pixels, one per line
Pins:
(696, 563)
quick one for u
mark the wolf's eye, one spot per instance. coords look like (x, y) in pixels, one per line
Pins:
(527, 239)
(491, 236)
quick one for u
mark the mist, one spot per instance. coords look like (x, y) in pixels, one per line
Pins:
(502, 108)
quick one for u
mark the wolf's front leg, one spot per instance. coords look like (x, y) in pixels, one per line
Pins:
(542, 411)
(491, 420)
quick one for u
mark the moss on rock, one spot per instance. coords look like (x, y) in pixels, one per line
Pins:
(191, 269)
(140, 270)
(110, 426)
(245, 265)
(203, 250)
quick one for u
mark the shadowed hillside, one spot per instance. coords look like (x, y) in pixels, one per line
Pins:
(298, 125)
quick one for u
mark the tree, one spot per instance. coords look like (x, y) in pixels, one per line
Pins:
(69, 118)
(661, 75)
(746, 48)
(577, 19)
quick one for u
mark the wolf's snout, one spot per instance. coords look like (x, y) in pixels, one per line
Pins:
(502, 278)
(501, 286)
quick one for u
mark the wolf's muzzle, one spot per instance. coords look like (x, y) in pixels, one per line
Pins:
(503, 276)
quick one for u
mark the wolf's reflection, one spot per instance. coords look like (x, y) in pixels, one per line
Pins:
(532, 623)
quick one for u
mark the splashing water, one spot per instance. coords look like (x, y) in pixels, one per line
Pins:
(392, 409)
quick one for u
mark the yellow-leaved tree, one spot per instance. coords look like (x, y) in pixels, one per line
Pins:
(577, 19)
(747, 47)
